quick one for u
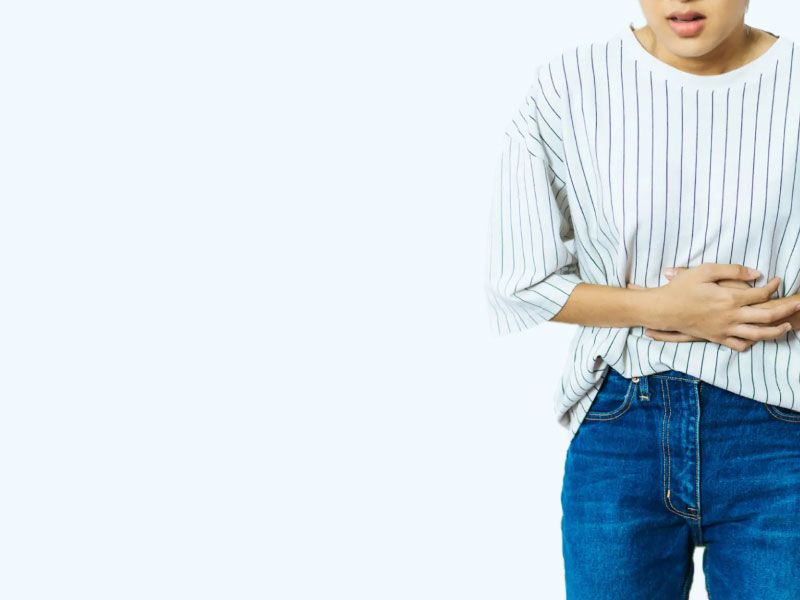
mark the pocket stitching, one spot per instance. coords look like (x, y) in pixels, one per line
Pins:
(617, 412)
(775, 412)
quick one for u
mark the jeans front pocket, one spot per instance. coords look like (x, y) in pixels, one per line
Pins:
(614, 397)
(782, 414)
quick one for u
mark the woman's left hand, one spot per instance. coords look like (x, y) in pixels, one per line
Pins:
(675, 336)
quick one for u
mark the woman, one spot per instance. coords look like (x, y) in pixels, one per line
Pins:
(672, 146)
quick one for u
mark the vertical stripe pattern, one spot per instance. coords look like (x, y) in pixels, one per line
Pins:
(616, 165)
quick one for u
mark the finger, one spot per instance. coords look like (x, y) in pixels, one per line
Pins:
(716, 271)
(755, 314)
(737, 344)
(760, 332)
(634, 286)
(734, 283)
(758, 294)
(674, 336)
(670, 336)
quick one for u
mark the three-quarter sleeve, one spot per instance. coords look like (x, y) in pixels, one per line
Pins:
(532, 265)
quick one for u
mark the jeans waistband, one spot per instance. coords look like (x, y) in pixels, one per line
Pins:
(643, 381)
(673, 374)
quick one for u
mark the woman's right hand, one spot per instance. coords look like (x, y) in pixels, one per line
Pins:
(697, 305)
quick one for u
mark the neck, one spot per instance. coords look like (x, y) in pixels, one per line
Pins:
(732, 52)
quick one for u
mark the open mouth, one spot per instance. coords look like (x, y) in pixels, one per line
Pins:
(685, 17)
(686, 24)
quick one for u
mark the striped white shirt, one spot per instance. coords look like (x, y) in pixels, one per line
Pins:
(617, 165)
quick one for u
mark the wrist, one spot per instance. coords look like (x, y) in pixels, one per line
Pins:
(650, 309)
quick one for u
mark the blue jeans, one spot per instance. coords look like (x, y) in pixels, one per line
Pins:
(665, 463)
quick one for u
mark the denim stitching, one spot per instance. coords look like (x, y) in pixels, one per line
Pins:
(697, 455)
(667, 499)
(663, 442)
(617, 412)
(690, 380)
(772, 410)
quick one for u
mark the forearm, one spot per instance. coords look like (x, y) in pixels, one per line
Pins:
(609, 306)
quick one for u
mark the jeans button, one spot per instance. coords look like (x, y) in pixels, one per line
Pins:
(635, 380)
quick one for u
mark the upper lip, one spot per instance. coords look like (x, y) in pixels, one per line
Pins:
(685, 15)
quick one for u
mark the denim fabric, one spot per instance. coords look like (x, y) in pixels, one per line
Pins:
(664, 463)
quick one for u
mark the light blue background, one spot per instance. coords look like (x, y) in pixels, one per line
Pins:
(244, 350)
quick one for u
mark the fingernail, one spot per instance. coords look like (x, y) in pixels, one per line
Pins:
(797, 306)
(755, 273)
(669, 271)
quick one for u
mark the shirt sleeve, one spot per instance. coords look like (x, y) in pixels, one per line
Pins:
(531, 266)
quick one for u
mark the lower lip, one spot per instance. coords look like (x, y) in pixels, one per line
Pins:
(687, 28)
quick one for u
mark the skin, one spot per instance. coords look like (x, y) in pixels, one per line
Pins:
(673, 336)
(725, 43)
(711, 301)
(706, 302)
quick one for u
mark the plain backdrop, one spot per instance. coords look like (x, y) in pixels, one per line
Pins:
(244, 347)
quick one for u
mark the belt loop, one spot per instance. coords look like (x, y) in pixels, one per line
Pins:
(642, 381)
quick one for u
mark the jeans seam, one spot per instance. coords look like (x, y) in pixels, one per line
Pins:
(690, 380)
(697, 457)
(665, 448)
(687, 584)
